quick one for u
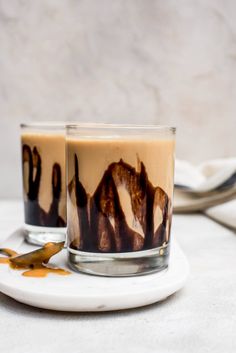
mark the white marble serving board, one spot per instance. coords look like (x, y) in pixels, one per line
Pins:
(81, 292)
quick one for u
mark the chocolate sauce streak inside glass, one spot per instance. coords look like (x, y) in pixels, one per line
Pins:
(102, 224)
(34, 214)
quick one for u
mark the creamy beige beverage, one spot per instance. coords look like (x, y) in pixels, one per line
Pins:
(43, 165)
(119, 193)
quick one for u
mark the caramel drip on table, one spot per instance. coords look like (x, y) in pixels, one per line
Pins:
(31, 270)
(8, 254)
(43, 271)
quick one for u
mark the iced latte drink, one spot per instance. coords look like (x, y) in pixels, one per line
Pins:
(120, 190)
(44, 185)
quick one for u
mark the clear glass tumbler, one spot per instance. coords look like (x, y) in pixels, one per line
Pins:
(119, 198)
(44, 185)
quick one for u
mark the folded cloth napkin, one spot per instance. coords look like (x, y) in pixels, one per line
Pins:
(204, 187)
(225, 214)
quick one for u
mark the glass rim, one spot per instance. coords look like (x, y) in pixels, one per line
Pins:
(77, 126)
(106, 126)
(44, 125)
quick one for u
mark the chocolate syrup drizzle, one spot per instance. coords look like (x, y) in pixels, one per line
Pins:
(102, 225)
(34, 214)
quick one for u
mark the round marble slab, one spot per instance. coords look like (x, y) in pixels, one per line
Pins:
(81, 292)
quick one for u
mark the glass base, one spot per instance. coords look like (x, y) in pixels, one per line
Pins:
(120, 264)
(42, 235)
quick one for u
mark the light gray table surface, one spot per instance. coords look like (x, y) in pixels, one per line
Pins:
(199, 318)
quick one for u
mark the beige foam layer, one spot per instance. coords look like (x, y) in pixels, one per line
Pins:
(94, 156)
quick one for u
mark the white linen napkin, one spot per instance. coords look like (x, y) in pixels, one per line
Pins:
(225, 214)
(204, 187)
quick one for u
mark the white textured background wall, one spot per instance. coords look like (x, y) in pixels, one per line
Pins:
(146, 61)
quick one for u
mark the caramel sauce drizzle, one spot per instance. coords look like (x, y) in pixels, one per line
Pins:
(34, 262)
(44, 271)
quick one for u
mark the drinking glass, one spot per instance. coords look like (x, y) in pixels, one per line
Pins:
(44, 186)
(119, 203)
